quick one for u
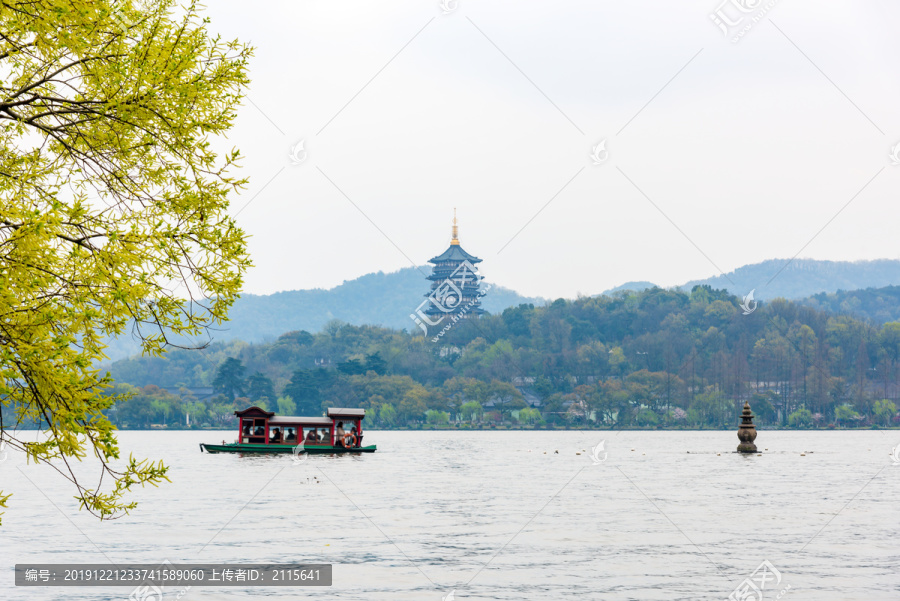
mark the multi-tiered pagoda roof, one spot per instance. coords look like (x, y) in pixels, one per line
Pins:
(455, 283)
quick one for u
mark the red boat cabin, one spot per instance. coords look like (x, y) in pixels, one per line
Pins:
(258, 426)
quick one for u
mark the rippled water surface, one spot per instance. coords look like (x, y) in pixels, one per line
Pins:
(495, 515)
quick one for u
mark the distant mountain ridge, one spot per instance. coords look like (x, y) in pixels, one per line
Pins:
(801, 278)
(382, 299)
(636, 286)
(794, 279)
(387, 299)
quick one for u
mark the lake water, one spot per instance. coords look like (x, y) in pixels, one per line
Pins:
(495, 515)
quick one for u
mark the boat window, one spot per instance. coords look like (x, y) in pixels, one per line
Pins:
(325, 436)
(290, 434)
(253, 430)
(275, 435)
(312, 437)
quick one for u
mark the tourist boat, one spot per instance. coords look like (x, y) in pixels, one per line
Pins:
(261, 431)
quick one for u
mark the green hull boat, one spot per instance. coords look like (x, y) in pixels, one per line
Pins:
(270, 449)
(262, 432)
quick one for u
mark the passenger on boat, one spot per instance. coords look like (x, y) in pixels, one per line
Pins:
(290, 435)
(339, 433)
(275, 436)
(325, 435)
(259, 431)
(311, 436)
(349, 440)
(355, 436)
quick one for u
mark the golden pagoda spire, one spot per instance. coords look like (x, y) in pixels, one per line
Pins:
(455, 240)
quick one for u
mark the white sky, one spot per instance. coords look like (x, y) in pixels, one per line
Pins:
(750, 150)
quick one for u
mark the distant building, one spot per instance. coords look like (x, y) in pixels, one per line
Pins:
(200, 393)
(455, 283)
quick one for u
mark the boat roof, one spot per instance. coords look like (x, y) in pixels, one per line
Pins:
(254, 411)
(344, 412)
(292, 419)
(333, 413)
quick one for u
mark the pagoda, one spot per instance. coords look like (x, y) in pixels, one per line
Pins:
(455, 283)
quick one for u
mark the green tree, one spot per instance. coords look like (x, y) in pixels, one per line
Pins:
(459, 390)
(764, 409)
(387, 415)
(412, 404)
(230, 378)
(286, 405)
(889, 338)
(307, 388)
(198, 412)
(530, 416)
(437, 417)
(352, 367)
(135, 412)
(715, 410)
(801, 418)
(161, 410)
(110, 191)
(221, 411)
(646, 417)
(694, 417)
(884, 411)
(616, 359)
(609, 402)
(375, 363)
(844, 413)
(260, 387)
(506, 397)
(373, 404)
(471, 411)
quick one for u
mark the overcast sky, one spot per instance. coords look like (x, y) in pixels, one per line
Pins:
(720, 153)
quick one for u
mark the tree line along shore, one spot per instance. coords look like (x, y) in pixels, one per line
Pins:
(651, 359)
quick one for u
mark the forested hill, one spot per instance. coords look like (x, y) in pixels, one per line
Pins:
(387, 299)
(383, 299)
(647, 358)
(800, 278)
(878, 305)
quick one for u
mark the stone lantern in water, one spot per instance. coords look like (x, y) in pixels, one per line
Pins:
(747, 431)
